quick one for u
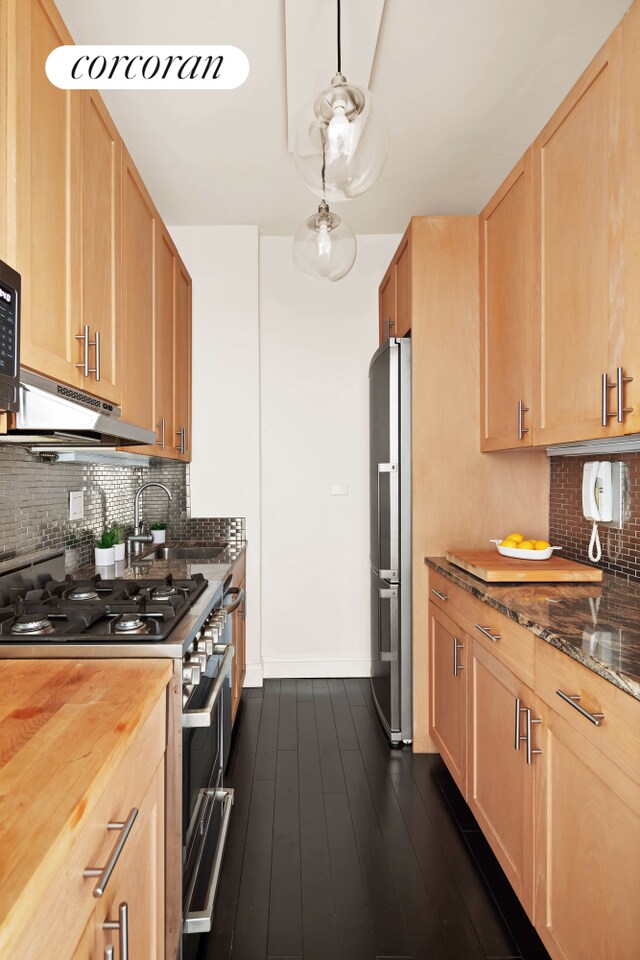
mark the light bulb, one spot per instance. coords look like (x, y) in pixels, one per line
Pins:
(339, 131)
(324, 246)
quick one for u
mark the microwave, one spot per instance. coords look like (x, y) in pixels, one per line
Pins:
(9, 339)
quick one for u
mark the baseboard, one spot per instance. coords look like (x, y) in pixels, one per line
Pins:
(303, 669)
(253, 675)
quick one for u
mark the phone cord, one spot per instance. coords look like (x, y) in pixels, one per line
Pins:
(595, 550)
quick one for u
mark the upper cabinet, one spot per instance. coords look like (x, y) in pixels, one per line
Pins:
(394, 294)
(182, 363)
(506, 312)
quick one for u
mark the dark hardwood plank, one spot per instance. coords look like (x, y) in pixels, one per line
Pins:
(390, 935)
(311, 802)
(288, 719)
(305, 689)
(423, 927)
(345, 730)
(285, 907)
(251, 692)
(319, 683)
(379, 760)
(355, 940)
(218, 945)
(354, 693)
(239, 772)
(330, 762)
(265, 768)
(320, 932)
(455, 801)
(252, 918)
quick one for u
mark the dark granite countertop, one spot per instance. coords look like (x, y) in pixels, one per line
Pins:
(597, 624)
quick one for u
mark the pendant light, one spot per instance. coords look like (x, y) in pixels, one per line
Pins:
(324, 246)
(341, 138)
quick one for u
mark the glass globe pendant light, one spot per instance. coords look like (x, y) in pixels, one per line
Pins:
(341, 139)
(324, 246)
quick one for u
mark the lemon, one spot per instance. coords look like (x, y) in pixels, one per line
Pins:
(515, 536)
(512, 544)
(526, 545)
(541, 545)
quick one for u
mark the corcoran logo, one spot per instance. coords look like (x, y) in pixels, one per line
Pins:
(5, 295)
(131, 67)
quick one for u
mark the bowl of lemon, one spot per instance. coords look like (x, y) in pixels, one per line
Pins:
(520, 548)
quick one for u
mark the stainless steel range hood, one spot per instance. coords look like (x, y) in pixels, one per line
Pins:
(52, 414)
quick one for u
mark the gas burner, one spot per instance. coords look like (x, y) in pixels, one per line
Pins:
(163, 592)
(83, 593)
(130, 623)
(31, 624)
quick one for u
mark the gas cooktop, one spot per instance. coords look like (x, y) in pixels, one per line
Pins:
(90, 611)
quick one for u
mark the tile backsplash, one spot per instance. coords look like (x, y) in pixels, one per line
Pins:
(569, 529)
(34, 504)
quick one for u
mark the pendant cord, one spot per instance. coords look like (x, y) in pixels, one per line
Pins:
(339, 40)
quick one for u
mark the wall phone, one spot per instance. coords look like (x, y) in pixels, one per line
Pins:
(597, 491)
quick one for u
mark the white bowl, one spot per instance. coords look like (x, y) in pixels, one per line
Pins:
(524, 554)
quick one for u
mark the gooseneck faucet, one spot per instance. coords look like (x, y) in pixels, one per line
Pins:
(135, 541)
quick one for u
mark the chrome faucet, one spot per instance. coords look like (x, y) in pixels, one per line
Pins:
(138, 537)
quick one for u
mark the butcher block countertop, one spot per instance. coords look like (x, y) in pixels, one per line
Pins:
(65, 726)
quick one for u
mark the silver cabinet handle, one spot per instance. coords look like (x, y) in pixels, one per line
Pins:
(96, 344)
(122, 925)
(530, 749)
(162, 428)
(200, 921)
(104, 873)
(108, 953)
(574, 701)
(521, 412)
(620, 382)
(204, 716)
(457, 666)
(605, 403)
(486, 632)
(84, 366)
(440, 596)
(240, 596)
(518, 738)
(182, 433)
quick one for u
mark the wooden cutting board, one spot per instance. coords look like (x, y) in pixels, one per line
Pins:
(492, 567)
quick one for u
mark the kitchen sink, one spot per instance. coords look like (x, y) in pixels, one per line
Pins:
(184, 553)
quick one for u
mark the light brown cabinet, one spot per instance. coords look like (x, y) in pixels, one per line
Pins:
(448, 701)
(394, 294)
(182, 362)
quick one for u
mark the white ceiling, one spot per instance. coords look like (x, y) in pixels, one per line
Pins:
(465, 86)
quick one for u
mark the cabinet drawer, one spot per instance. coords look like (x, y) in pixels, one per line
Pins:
(512, 644)
(69, 903)
(447, 596)
(618, 733)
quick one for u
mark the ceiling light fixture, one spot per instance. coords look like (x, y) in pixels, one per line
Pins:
(324, 246)
(341, 139)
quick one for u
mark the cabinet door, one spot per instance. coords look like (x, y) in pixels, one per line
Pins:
(100, 247)
(500, 782)
(505, 313)
(587, 848)
(46, 217)
(182, 363)
(138, 275)
(387, 305)
(163, 342)
(403, 286)
(6, 253)
(448, 702)
(578, 209)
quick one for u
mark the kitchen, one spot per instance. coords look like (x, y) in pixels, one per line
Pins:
(241, 788)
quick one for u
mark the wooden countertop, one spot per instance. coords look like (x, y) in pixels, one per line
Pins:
(64, 728)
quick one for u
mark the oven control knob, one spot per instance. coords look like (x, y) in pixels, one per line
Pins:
(191, 672)
(205, 643)
(201, 660)
(211, 632)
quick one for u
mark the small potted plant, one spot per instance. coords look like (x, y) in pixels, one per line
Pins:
(105, 551)
(159, 532)
(118, 544)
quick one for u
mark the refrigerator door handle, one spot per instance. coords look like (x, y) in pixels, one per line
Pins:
(385, 573)
(391, 595)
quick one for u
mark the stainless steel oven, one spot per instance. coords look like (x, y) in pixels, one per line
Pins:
(9, 338)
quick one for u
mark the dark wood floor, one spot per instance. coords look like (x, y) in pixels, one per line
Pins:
(341, 847)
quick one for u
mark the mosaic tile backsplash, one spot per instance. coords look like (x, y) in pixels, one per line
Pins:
(569, 529)
(34, 504)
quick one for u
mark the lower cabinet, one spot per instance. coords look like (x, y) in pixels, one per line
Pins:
(448, 701)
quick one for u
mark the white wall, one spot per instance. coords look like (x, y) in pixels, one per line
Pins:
(225, 472)
(316, 342)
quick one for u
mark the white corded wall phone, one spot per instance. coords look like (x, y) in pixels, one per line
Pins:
(597, 500)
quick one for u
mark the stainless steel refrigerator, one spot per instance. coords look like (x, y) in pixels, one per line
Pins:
(390, 539)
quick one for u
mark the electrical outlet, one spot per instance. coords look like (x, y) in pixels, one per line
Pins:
(76, 505)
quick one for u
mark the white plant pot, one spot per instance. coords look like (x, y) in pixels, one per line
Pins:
(105, 557)
(159, 536)
(118, 549)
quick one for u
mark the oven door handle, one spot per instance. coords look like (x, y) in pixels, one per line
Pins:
(236, 592)
(200, 921)
(204, 716)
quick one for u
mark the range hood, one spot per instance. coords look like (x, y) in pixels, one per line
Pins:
(53, 414)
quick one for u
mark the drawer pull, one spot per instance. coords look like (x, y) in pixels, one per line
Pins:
(573, 701)
(530, 749)
(104, 873)
(457, 666)
(122, 925)
(486, 632)
(518, 738)
(440, 596)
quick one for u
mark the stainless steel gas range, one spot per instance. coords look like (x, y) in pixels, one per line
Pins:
(45, 614)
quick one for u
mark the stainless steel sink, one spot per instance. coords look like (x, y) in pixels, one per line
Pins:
(184, 553)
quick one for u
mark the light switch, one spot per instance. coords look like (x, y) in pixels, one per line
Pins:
(76, 505)
(339, 489)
